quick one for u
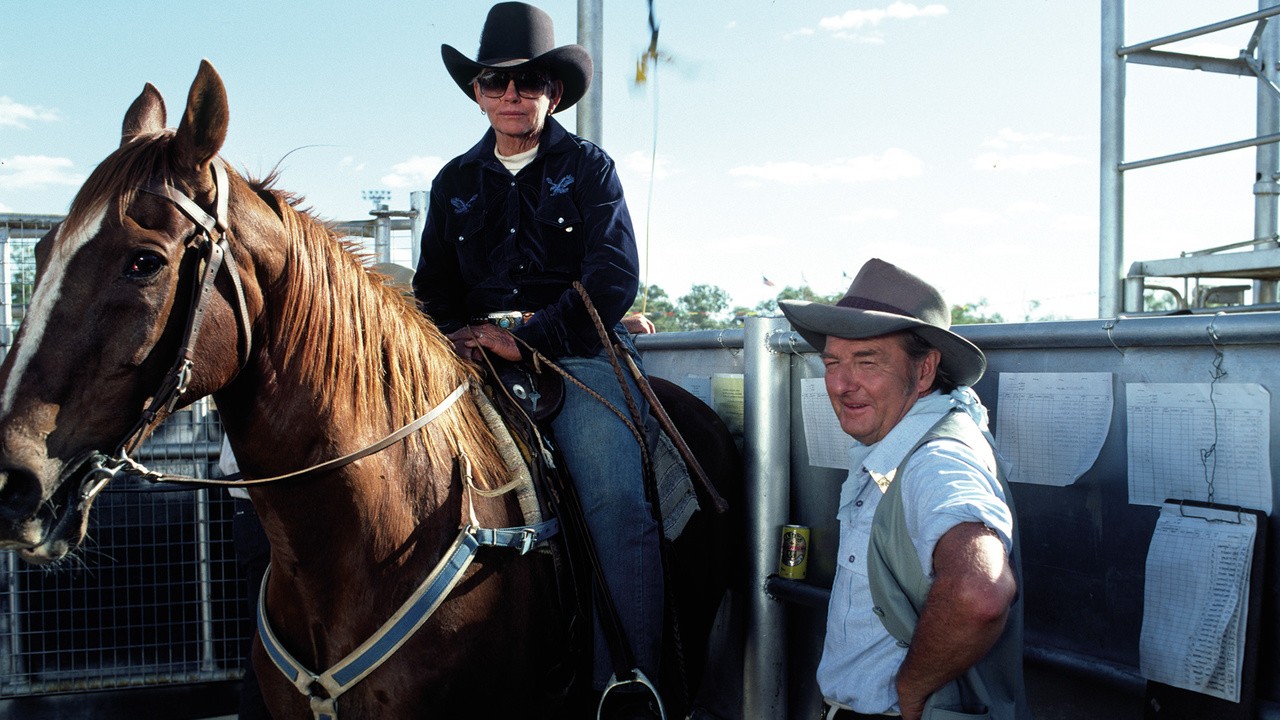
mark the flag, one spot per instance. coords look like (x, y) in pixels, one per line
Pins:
(767, 281)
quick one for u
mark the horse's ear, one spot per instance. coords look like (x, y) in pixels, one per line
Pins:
(204, 123)
(146, 115)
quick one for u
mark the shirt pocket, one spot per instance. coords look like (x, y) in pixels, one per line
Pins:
(465, 233)
(851, 574)
(561, 238)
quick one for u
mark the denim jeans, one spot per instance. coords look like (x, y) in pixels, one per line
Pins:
(602, 456)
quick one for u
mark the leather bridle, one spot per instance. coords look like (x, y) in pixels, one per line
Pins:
(210, 239)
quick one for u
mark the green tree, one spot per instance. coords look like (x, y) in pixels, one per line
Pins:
(804, 292)
(974, 314)
(704, 308)
(657, 306)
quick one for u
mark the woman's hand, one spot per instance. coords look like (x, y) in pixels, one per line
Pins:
(638, 324)
(468, 341)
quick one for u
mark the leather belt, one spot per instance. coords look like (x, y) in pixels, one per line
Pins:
(507, 319)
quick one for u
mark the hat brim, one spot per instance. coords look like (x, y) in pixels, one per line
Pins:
(963, 362)
(571, 65)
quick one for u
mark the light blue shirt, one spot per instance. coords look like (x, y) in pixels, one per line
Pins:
(944, 484)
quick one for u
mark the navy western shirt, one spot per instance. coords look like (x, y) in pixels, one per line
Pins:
(495, 241)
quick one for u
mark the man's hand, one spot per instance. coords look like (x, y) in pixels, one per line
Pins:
(468, 341)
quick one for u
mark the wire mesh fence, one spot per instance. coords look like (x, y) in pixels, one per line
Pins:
(155, 596)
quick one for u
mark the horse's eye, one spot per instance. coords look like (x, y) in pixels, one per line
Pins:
(143, 264)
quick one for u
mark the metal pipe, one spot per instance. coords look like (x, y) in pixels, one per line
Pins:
(418, 211)
(591, 37)
(208, 660)
(691, 340)
(1197, 32)
(6, 293)
(1265, 188)
(767, 473)
(1111, 180)
(1246, 328)
(1260, 142)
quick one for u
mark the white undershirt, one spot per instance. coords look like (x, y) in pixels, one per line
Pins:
(515, 163)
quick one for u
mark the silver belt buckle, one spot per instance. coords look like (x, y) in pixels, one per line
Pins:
(509, 320)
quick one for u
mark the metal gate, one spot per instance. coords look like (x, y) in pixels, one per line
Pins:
(155, 596)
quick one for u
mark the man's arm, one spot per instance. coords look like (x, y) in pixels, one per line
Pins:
(964, 613)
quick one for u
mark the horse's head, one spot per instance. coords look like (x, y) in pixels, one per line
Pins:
(118, 284)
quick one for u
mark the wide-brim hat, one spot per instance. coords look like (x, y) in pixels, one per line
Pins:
(517, 35)
(883, 299)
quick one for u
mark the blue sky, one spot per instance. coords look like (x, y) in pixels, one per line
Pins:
(794, 139)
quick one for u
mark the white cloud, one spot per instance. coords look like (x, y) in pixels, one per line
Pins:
(24, 172)
(416, 172)
(859, 19)
(892, 164)
(802, 32)
(1008, 137)
(638, 165)
(864, 215)
(1025, 162)
(350, 162)
(973, 217)
(18, 115)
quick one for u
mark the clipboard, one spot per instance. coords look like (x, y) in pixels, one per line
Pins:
(1166, 702)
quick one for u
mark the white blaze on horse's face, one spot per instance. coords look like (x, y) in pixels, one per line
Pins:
(46, 296)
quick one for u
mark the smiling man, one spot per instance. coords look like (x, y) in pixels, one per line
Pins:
(925, 618)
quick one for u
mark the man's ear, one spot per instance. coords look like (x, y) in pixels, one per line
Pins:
(928, 370)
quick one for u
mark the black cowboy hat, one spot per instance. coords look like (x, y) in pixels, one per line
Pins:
(884, 299)
(515, 36)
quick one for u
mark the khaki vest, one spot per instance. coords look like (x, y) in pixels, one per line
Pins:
(993, 688)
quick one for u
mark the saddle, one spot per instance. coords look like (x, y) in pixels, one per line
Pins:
(534, 388)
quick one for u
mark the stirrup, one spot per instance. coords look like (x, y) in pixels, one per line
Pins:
(638, 678)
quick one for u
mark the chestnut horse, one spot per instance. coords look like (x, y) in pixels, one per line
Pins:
(166, 253)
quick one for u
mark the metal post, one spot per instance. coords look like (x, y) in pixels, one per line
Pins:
(591, 37)
(382, 237)
(766, 440)
(6, 293)
(208, 659)
(418, 212)
(1265, 188)
(1111, 182)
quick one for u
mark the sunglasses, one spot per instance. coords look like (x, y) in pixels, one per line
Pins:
(529, 85)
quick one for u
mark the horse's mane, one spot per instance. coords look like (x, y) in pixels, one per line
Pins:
(381, 350)
(380, 343)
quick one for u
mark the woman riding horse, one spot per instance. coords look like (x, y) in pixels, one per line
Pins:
(512, 224)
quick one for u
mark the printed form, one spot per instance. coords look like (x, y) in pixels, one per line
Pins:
(1183, 435)
(1050, 426)
(1196, 599)
(828, 445)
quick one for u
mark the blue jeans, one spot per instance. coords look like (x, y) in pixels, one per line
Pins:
(602, 456)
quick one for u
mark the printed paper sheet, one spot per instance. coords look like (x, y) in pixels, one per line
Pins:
(1183, 435)
(1196, 599)
(1051, 426)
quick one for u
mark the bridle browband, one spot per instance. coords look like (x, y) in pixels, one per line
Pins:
(210, 239)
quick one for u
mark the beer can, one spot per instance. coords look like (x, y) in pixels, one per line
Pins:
(793, 561)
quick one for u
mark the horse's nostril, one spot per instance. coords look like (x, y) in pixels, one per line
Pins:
(19, 494)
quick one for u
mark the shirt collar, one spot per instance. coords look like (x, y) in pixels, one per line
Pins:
(555, 139)
(881, 459)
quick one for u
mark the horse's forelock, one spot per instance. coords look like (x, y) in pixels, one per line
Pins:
(144, 159)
